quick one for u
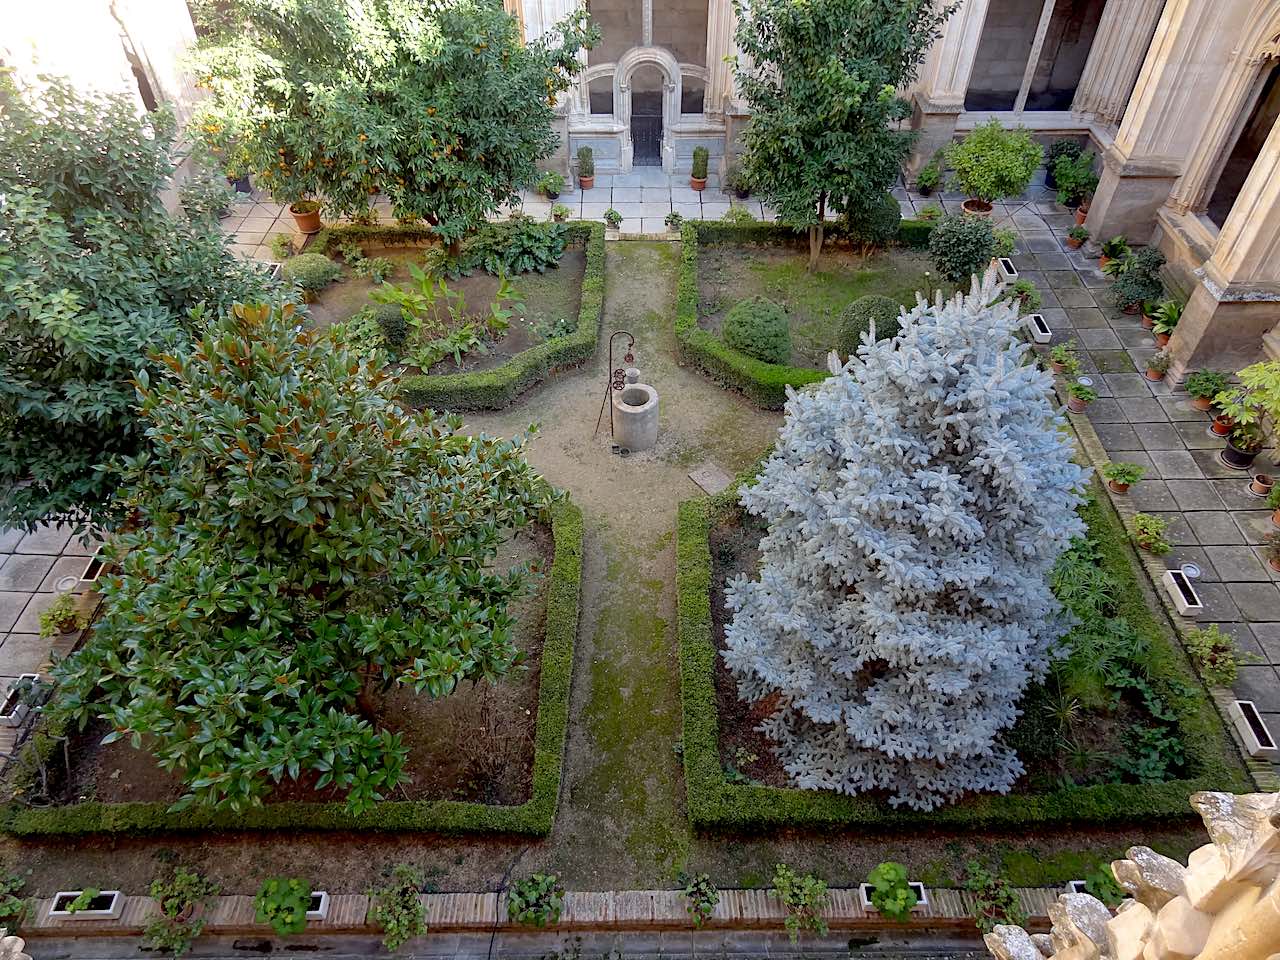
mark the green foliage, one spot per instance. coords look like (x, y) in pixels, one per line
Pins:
(179, 897)
(281, 247)
(397, 909)
(805, 897)
(916, 233)
(1133, 290)
(930, 174)
(560, 212)
(1166, 316)
(613, 218)
(376, 269)
(821, 81)
(1025, 292)
(1076, 179)
(1127, 473)
(83, 900)
(995, 901)
(283, 458)
(758, 327)
(1117, 248)
(1006, 240)
(992, 163)
(94, 277)
(521, 245)
(536, 900)
(1101, 883)
(283, 902)
(1214, 655)
(891, 894)
(1059, 148)
(1081, 392)
(961, 246)
(1207, 384)
(700, 158)
(736, 216)
(551, 183)
(1159, 362)
(586, 162)
(312, 272)
(737, 181)
(1079, 232)
(393, 326)
(701, 894)
(206, 197)
(858, 317)
(13, 908)
(872, 223)
(61, 616)
(440, 107)
(1065, 354)
(674, 220)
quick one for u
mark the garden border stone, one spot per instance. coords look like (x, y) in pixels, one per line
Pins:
(534, 817)
(716, 804)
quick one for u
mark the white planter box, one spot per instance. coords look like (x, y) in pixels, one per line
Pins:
(12, 714)
(1007, 272)
(1258, 740)
(922, 897)
(1185, 599)
(1076, 886)
(92, 570)
(108, 906)
(1040, 331)
(319, 908)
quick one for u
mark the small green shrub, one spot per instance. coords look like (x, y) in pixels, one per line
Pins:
(1101, 883)
(805, 897)
(1006, 241)
(586, 162)
(560, 213)
(992, 162)
(1065, 354)
(1150, 532)
(961, 246)
(916, 233)
(178, 926)
(1026, 294)
(931, 212)
(857, 318)
(891, 894)
(1214, 654)
(1117, 248)
(206, 197)
(701, 894)
(281, 246)
(1125, 473)
(758, 327)
(283, 902)
(551, 183)
(61, 616)
(674, 220)
(1207, 384)
(736, 217)
(700, 159)
(393, 326)
(536, 900)
(310, 271)
(1079, 233)
(1059, 148)
(995, 900)
(1076, 179)
(613, 218)
(376, 269)
(397, 908)
(874, 223)
(930, 174)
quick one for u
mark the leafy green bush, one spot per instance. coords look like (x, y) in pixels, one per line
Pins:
(858, 317)
(992, 162)
(1006, 241)
(1207, 384)
(397, 909)
(536, 900)
(393, 326)
(916, 233)
(891, 894)
(758, 327)
(805, 897)
(930, 174)
(178, 925)
(1076, 179)
(737, 216)
(1026, 294)
(701, 894)
(1123, 473)
(1059, 148)
(310, 271)
(1214, 654)
(873, 223)
(283, 903)
(586, 162)
(995, 902)
(700, 158)
(1102, 884)
(206, 197)
(517, 246)
(1150, 532)
(961, 246)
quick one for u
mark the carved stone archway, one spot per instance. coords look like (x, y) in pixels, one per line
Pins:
(627, 65)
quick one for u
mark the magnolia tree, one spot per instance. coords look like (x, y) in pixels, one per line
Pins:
(916, 502)
(302, 544)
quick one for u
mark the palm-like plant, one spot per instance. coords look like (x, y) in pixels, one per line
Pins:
(1166, 316)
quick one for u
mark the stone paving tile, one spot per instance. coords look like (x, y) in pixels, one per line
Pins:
(11, 604)
(1256, 601)
(1193, 495)
(1118, 436)
(1218, 604)
(1237, 563)
(1158, 436)
(1255, 525)
(1235, 493)
(1259, 683)
(1267, 636)
(1149, 495)
(1215, 527)
(23, 653)
(1180, 532)
(47, 538)
(24, 572)
(1174, 464)
(1127, 385)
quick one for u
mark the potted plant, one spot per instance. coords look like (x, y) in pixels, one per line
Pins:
(586, 168)
(1064, 360)
(698, 174)
(1114, 249)
(551, 183)
(1150, 532)
(1273, 501)
(890, 893)
(929, 214)
(613, 218)
(1271, 548)
(1262, 484)
(1121, 476)
(1025, 294)
(1164, 319)
(1204, 385)
(560, 213)
(735, 180)
(1243, 444)
(61, 617)
(283, 903)
(1076, 236)
(1158, 365)
(1059, 148)
(87, 904)
(674, 221)
(1076, 179)
(930, 175)
(1079, 396)
(992, 163)
(306, 215)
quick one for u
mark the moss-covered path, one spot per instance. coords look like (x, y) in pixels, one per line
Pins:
(622, 822)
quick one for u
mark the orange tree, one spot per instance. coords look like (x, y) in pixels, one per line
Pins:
(302, 544)
(438, 105)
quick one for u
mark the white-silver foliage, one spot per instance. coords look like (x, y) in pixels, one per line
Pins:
(916, 502)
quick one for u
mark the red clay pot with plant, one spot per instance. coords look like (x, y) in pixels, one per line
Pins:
(1074, 243)
(1118, 487)
(1261, 484)
(1221, 425)
(1240, 450)
(1102, 262)
(975, 206)
(1132, 310)
(1082, 214)
(1161, 338)
(1202, 403)
(1155, 376)
(306, 214)
(1148, 321)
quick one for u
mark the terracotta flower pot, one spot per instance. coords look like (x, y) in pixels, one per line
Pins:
(308, 221)
(1148, 322)
(1161, 339)
(1102, 262)
(1261, 484)
(1274, 563)
(1117, 487)
(1133, 310)
(1155, 376)
(1058, 368)
(1082, 214)
(696, 183)
(1221, 425)
(1076, 405)
(1275, 517)
(586, 183)
(1202, 403)
(1074, 244)
(976, 207)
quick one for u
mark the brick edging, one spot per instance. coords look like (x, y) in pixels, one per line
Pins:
(619, 910)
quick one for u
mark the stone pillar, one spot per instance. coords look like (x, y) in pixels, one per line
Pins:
(1119, 48)
(722, 22)
(944, 80)
(1236, 301)
(1166, 116)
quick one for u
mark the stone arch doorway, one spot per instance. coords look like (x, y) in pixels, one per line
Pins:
(647, 106)
(646, 116)
(1254, 125)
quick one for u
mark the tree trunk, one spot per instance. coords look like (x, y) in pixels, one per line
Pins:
(815, 233)
(455, 249)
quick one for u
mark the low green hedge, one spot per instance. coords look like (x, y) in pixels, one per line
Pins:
(915, 233)
(534, 817)
(500, 387)
(715, 803)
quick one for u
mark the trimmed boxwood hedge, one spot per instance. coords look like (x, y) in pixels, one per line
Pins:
(765, 383)
(715, 803)
(534, 817)
(499, 387)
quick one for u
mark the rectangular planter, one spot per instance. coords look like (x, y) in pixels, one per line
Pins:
(1076, 886)
(318, 909)
(12, 710)
(107, 905)
(1248, 722)
(92, 570)
(1040, 331)
(1185, 599)
(1006, 271)
(922, 897)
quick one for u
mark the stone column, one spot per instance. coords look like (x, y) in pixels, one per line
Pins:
(1235, 307)
(1166, 116)
(944, 80)
(1119, 48)
(722, 22)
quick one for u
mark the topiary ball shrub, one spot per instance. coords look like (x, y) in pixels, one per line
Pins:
(758, 327)
(875, 222)
(961, 246)
(858, 317)
(310, 271)
(392, 326)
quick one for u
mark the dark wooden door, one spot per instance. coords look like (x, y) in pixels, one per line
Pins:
(646, 129)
